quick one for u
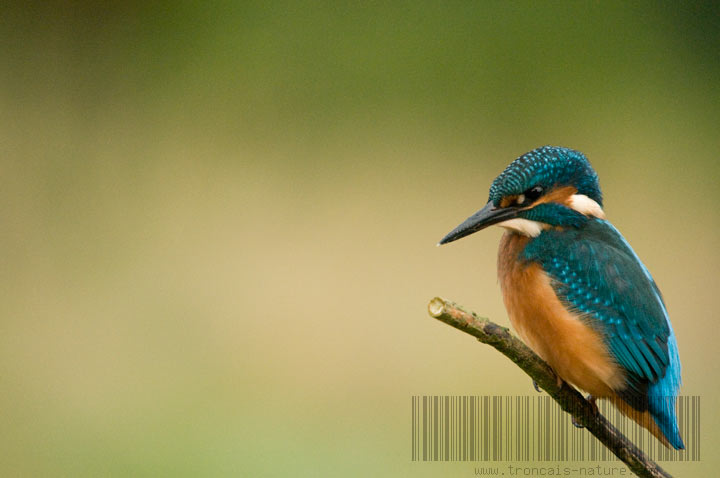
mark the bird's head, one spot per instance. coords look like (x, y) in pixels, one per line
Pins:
(547, 187)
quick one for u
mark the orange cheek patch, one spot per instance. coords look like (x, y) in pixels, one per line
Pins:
(508, 201)
(561, 195)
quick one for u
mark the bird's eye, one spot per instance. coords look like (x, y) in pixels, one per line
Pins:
(531, 194)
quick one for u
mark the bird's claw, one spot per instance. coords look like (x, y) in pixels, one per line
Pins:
(575, 423)
(558, 381)
(593, 405)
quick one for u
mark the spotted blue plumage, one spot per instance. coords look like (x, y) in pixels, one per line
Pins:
(595, 272)
(547, 166)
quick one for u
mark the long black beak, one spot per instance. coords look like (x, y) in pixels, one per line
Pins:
(485, 217)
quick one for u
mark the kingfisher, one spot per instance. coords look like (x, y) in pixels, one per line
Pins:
(576, 292)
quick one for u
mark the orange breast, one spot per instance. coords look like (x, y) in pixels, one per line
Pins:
(572, 348)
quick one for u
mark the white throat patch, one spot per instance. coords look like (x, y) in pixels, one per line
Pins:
(585, 205)
(526, 227)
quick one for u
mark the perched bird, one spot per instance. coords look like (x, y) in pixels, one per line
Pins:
(576, 292)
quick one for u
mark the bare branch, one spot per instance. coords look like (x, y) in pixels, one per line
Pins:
(569, 399)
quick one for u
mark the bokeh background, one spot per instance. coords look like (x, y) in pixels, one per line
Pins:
(218, 219)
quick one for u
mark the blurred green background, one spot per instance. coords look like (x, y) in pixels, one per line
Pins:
(218, 220)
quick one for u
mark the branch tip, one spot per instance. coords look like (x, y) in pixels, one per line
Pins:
(436, 307)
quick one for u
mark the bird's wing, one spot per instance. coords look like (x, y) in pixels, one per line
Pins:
(596, 272)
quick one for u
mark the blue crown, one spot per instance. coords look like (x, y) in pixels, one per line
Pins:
(548, 167)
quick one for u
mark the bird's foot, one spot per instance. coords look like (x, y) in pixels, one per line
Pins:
(558, 378)
(593, 405)
(575, 423)
(558, 381)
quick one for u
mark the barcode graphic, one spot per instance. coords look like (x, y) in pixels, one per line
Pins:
(531, 428)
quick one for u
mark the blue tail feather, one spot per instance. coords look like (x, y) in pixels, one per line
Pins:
(663, 397)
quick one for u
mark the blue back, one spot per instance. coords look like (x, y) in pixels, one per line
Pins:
(596, 273)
